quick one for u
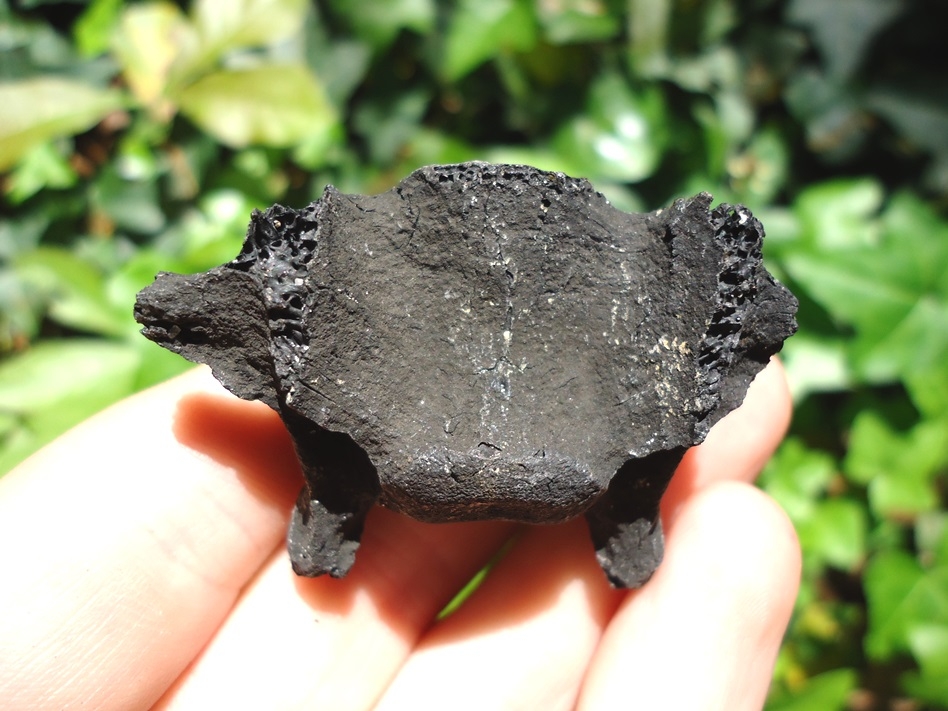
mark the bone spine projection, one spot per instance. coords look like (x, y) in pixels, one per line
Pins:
(484, 342)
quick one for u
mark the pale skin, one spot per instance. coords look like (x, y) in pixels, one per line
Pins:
(143, 567)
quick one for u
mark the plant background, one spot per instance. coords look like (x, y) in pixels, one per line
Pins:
(137, 136)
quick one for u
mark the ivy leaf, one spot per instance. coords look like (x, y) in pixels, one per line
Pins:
(931, 537)
(271, 105)
(93, 30)
(921, 117)
(388, 125)
(816, 365)
(649, 29)
(844, 29)
(47, 108)
(828, 691)
(480, 29)
(902, 598)
(899, 469)
(835, 534)
(760, 172)
(796, 476)
(225, 25)
(131, 204)
(75, 291)
(570, 21)
(929, 645)
(892, 289)
(378, 22)
(833, 530)
(840, 214)
(620, 137)
(44, 167)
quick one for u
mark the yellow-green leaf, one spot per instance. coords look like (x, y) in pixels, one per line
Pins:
(149, 41)
(57, 384)
(37, 110)
(273, 105)
(227, 25)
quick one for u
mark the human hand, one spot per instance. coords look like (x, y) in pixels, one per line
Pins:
(143, 564)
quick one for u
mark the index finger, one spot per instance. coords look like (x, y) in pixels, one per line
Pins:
(123, 546)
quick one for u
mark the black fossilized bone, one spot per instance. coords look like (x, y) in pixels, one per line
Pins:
(484, 342)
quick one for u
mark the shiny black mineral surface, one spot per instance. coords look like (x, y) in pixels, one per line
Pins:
(484, 342)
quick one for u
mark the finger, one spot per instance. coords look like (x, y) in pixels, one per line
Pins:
(126, 542)
(322, 643)
(705, 631)
(523, 639)
(738, 446)
(525, 660)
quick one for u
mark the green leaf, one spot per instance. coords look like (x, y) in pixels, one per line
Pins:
(760, 172)
(898, 468)
(223, 27)
(928, 388)
(621, 136)
(915, 344)
(840, 214)
(929, 645)
(46, 108)
(43, 168)
(832, 531)
(388, 125)
(797, 476)
(815, 365)
(57, 384)
(131, 204)
(830, 110)
(205, 238)
(75, 291)
(156, 365)
(720, 18)
(921, 118)
(570, 21)
(379, 21)
(227, 25)
(931, 537)
(340, 63)
(648, 27)
(844, 29)
(147, 42)
(37, 379)
(835, 534)
(428, 147)
(884, 277)
(856, 288)
(927, 687)
(272, 105)
(828, 691)
(912, 225)
(902, 597)
(22, 311)
(480, 29)
(31, 47)
(93, 30)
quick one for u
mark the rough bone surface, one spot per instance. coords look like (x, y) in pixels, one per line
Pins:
(484, 342)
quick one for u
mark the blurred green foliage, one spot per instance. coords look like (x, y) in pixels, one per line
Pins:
(136, 137)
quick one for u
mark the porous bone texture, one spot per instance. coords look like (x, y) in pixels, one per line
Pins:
(484, 342)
